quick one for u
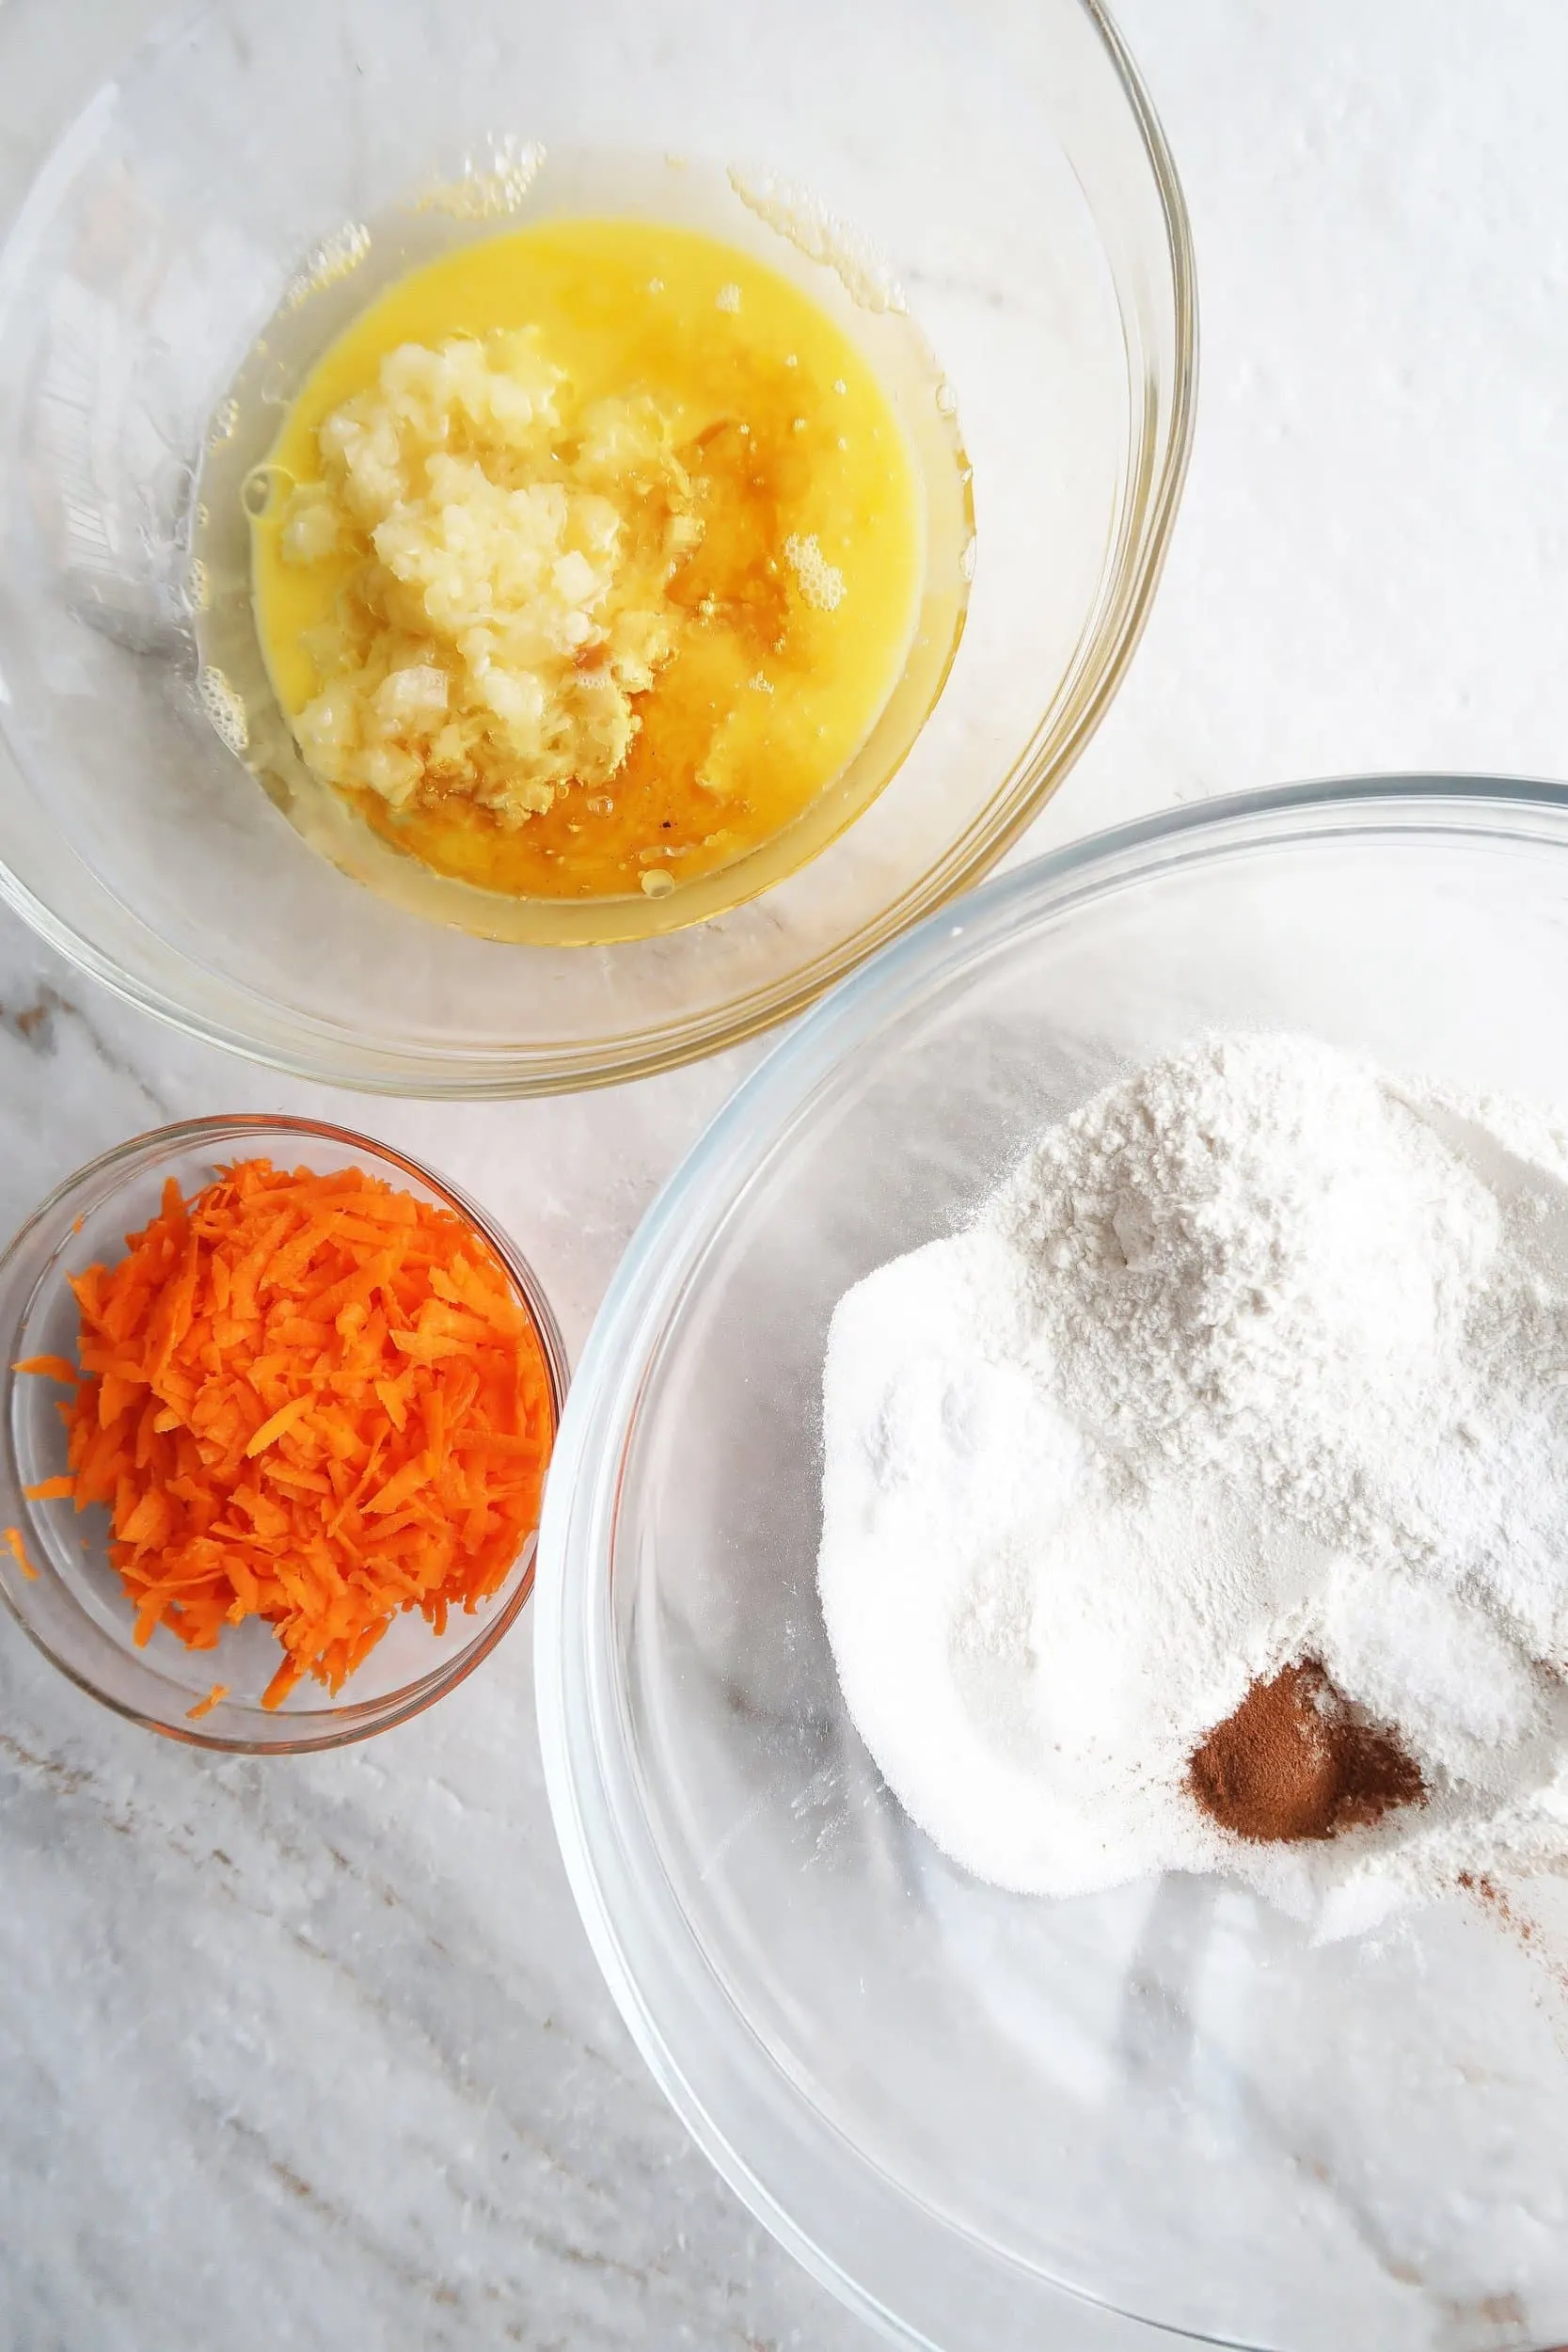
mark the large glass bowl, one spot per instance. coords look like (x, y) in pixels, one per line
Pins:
(994, 2122)
(1004, 162)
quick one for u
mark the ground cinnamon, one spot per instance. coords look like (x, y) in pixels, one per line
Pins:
(1294, 1760)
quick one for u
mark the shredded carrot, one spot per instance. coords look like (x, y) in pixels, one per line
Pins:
(51, 1490)
(310, 1399)
(205, 1706)
(48, 1368)
(11, 1538)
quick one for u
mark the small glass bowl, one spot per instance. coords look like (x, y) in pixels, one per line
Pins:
(73, 1605)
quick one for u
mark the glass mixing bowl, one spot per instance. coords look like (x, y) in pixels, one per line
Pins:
(1006, 163)
(73, 1602)
(992, 2123)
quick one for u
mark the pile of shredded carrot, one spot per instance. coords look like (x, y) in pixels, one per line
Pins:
(311, 1399)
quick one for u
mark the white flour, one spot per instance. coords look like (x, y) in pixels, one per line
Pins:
(1259, 1357)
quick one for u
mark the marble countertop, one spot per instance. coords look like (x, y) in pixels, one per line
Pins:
(312, 2053)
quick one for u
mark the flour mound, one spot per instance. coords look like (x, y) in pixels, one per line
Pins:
(1240, 1254)
(1251, 1361)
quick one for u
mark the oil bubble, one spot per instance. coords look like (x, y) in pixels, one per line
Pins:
(225, 710)
(278, 385)
(263, 487)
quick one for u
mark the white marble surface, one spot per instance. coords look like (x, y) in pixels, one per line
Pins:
(312, 2053)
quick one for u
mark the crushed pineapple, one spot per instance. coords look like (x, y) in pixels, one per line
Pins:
(508, 558)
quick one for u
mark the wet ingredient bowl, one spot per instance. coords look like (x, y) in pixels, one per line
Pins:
(1005, 165)
(74, 1606)
(991, 2122)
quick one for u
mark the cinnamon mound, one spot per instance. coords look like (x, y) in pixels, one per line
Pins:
(1295, 1761)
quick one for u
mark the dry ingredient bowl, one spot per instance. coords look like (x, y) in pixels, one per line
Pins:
(994, 2123)
(1003, 160)
(73, 1605)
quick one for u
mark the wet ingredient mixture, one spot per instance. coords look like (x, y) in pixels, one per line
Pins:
(1204, 1506)
(586, 557)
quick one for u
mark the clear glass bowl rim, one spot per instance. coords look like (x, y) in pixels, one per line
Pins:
(305, 1046)
(350, 1720)
(632, 1915)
